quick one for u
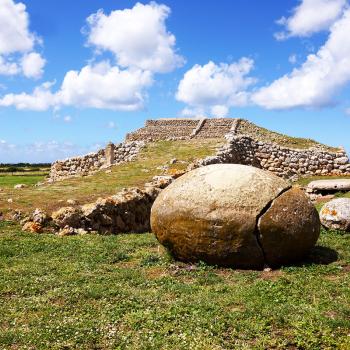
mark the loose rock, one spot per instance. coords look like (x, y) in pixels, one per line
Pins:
(40, 217)
(321, 186)
(335, 214)
(19, 186)
(33, 227)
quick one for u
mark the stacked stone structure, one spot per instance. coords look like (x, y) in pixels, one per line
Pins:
(284, 162)
(92, 162)
(164, 129)
(246, 144)
(182, 129)
(214, 128)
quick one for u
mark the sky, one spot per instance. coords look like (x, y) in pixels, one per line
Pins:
(75, 75)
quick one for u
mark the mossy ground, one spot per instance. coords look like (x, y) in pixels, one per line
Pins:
(125, 292)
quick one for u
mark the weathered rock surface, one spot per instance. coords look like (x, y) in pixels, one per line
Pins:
(70, 231)
(211, 214)
(289, 228)
(67, 216)
(40, 217)
(127, 211)
(341, 185)
(32, 227)
(336, 214)
(20, 186)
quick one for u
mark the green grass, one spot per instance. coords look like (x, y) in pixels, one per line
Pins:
(124, 292)
(87, 189)
(266, 135)
(10, 180)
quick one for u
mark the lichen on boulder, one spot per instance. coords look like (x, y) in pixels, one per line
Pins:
(335, 214)
(212, 214)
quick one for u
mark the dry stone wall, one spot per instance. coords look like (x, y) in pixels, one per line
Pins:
(182, 129)
(127, 211)
(285, 162)
(215, 128)
(164, 129)
(92, 162)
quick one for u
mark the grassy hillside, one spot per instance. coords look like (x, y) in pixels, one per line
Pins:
(262, 134)
(88, 189)
(124, 292)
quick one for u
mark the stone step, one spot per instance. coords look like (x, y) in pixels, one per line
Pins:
(339, 185)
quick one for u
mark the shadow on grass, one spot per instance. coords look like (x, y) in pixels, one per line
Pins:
(318, 255)
(321, 256)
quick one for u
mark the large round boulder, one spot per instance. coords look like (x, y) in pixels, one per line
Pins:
(335, 214)
(234, 215)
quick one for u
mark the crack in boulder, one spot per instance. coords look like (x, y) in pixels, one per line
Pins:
(257, 232)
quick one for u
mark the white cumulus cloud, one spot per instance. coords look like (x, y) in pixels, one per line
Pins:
(142, 46)
(94, 86)
(213, 88)
(105, 86)
(138, 37)
(14, 28)
(292, 59)
(318, 79)
(309, 17)
(41, 99)
(8, 67)
(17, 40)
(32, 65)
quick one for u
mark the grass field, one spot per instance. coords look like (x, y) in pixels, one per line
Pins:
(124, 292)
(87, 189)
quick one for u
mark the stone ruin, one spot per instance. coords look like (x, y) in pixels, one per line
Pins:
(182, 129)
(95, 161)
(244, 145)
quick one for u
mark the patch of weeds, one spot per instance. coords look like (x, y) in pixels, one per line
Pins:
(119, 256)
(151, 260)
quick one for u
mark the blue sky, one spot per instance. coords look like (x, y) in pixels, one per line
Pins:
(284, 65)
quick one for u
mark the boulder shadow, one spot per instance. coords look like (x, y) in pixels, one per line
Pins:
(320, 255)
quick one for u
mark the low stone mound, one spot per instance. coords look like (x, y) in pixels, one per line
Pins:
(235, 215)
(335, 214)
